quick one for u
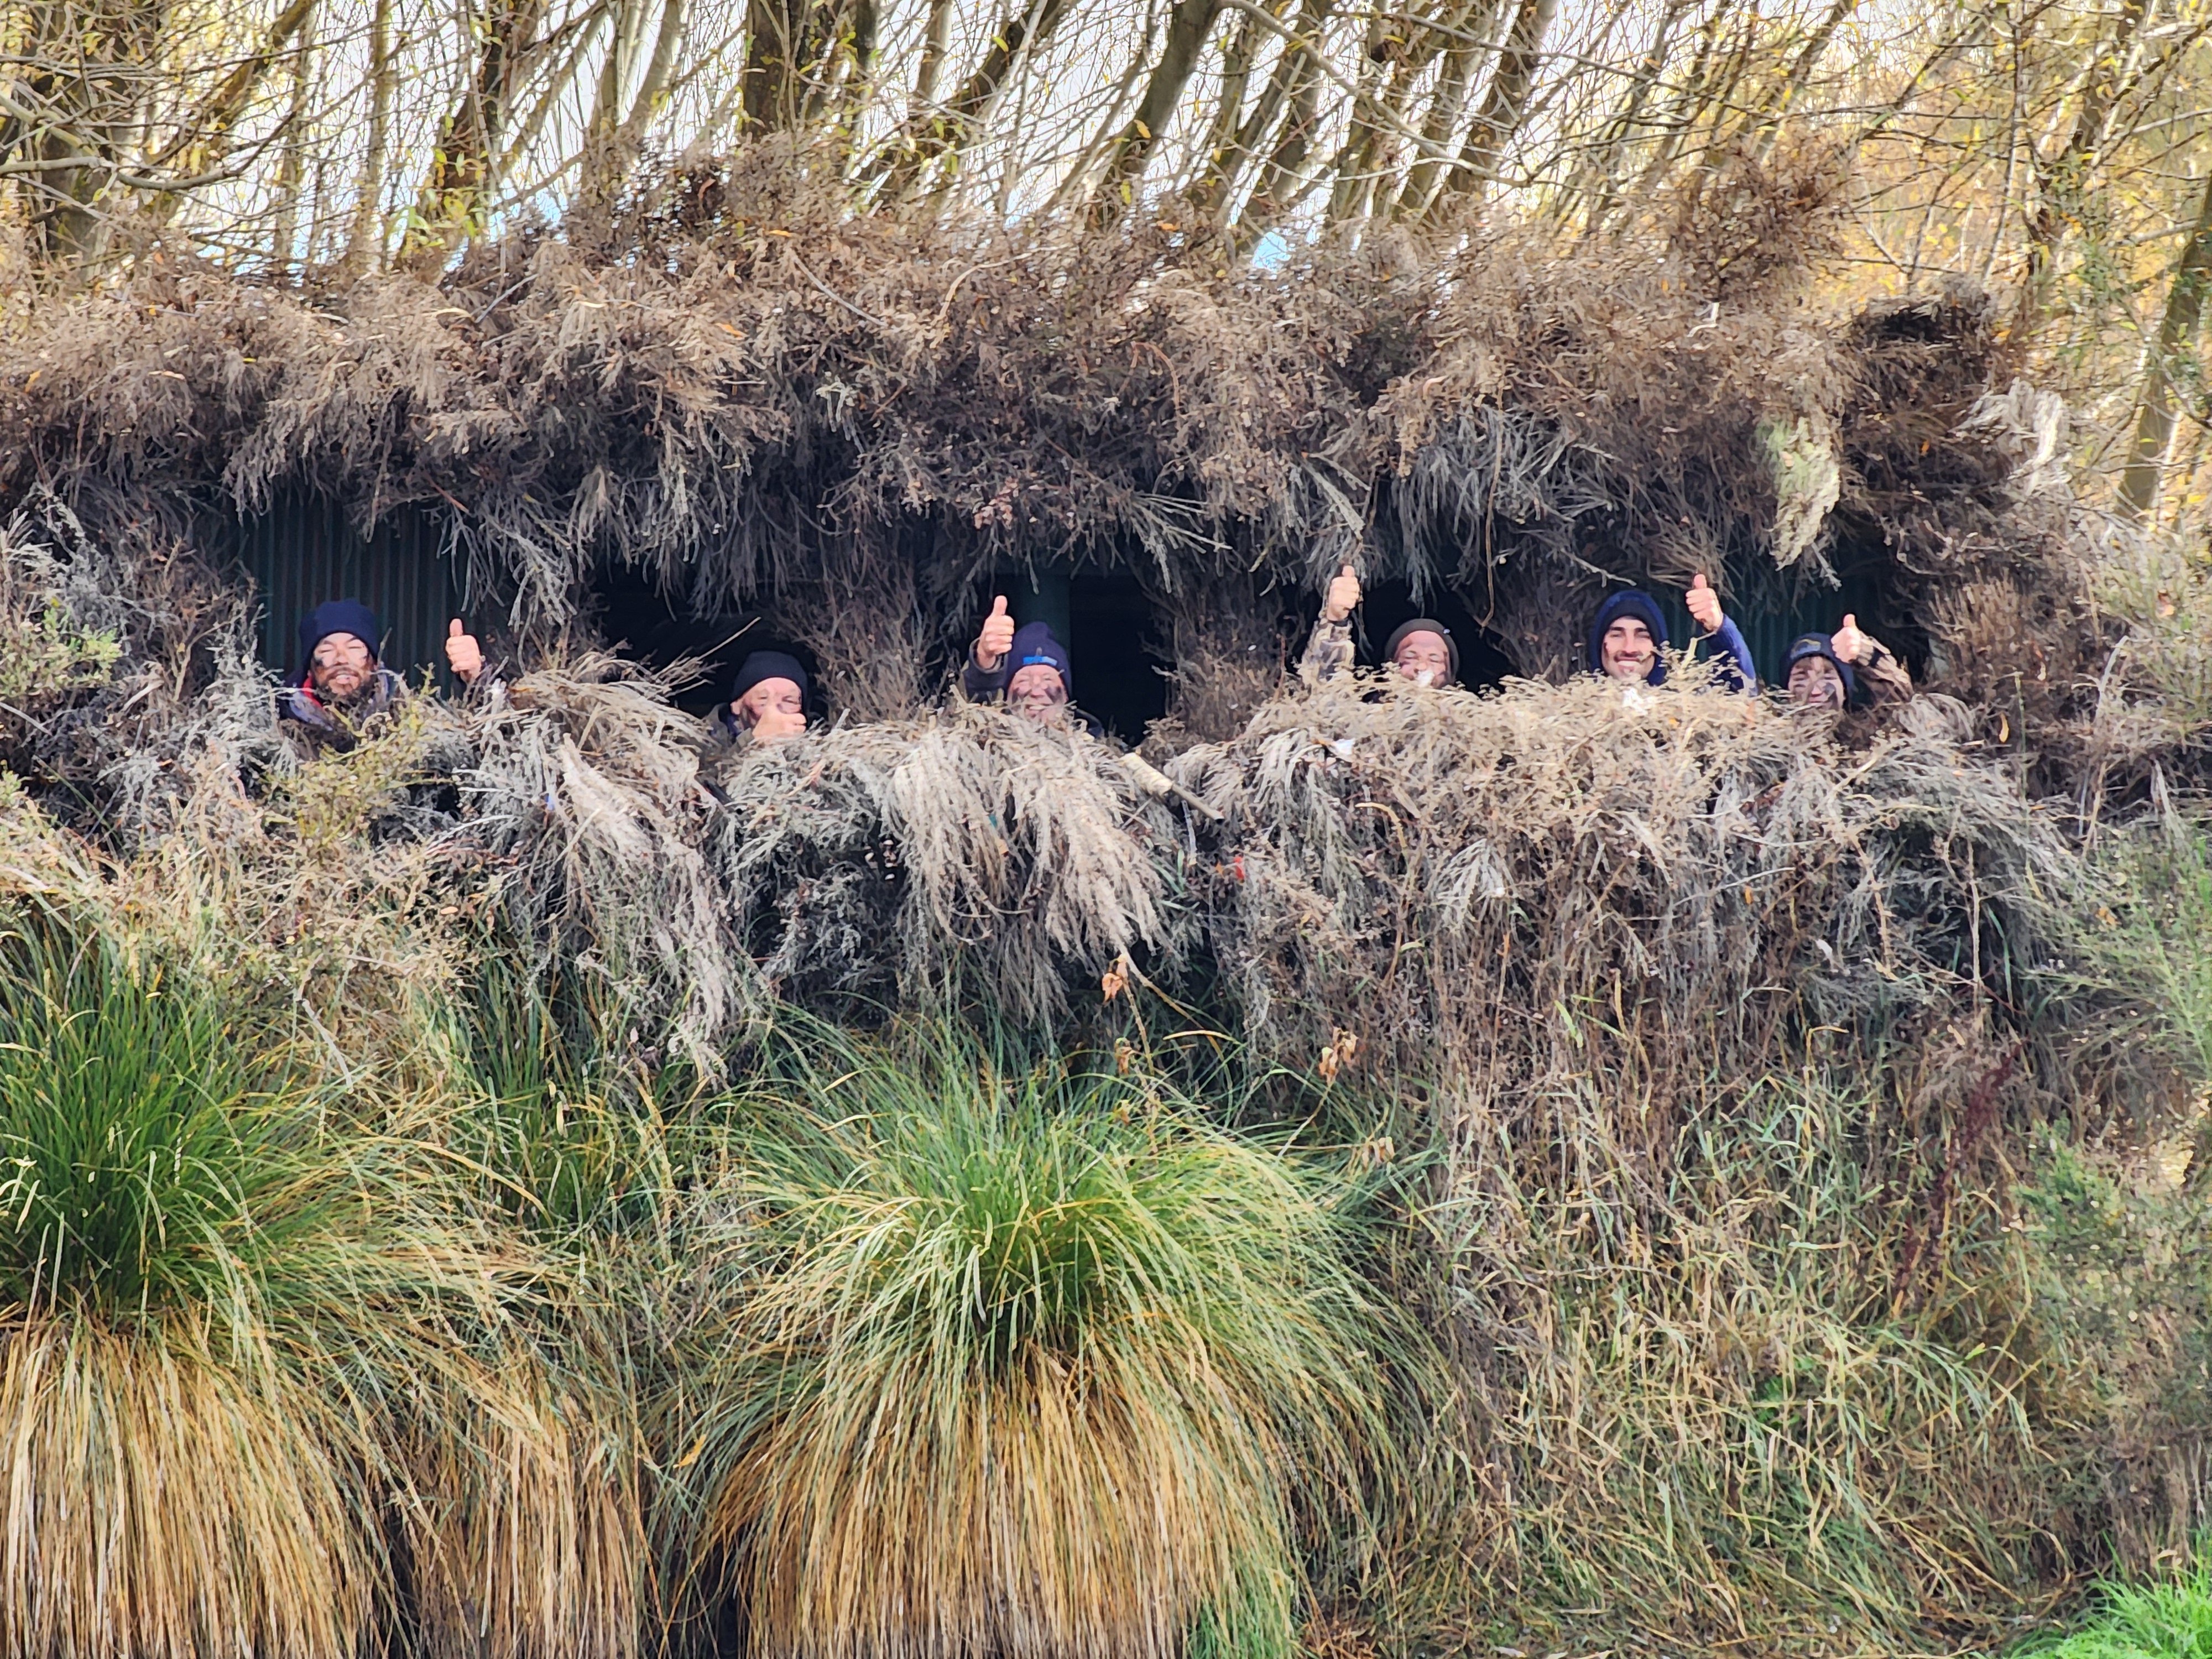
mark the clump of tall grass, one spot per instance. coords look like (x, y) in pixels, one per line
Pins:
(2166, 1619)
(2157, 930)
(260, 1373)
(1776, 1382)
(1015, 1357)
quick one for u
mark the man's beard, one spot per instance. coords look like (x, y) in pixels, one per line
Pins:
(332, 696)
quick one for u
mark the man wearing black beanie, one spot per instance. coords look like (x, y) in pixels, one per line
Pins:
(1421, 650)
(768, 699)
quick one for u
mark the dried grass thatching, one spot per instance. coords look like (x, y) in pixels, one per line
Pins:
(755, 398)
(963, 854)
(1695, 987)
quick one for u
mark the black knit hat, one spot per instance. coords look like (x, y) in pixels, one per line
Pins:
(1422, 625)
(760, 665)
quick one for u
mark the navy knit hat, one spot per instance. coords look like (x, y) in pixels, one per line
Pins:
(337, 617)
(1634, 602)
(1034, 644)
(1422, 625)
(1818, 645)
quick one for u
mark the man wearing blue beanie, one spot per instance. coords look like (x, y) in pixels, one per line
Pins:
(1026, 666)
(1848, 669)
(342, 683)
(1627, 638)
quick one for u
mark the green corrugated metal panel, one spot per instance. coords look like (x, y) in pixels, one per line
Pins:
(1769, 632)
(303, 551)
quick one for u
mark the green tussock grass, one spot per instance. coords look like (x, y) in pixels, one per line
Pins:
(1017, 1356)
(250, 1341)
(2157, 1620)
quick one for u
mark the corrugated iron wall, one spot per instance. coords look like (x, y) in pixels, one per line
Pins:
(303, 551)
(1768, 632)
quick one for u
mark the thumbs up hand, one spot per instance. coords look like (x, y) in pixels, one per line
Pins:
(463, 655)
(1704, 605)
(997, 637)
(1847, 642)
(1343, 597)
(775, 724)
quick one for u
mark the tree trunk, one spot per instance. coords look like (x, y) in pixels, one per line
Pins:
(906, 160)
(2177, 331)
(1207, 190)
(2060, 182)
(1188, 25)
(1280, 181)
(464, 168)
(365, 246)
(1293, 69)
(1621, 131)
(1462, 64)
(284, 235)
(935, 38)
(1503, 105)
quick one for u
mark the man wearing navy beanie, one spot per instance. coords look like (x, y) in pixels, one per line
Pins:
(342, 682)
(1628, 638)
(1026, 665)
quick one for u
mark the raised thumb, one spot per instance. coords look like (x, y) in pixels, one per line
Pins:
(1698, 580)
(998, 606)
(1347, 571)
(1849, 621)
(454, 631)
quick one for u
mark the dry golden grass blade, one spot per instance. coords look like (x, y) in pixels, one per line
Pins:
(165, 1503)
(1051, 1511)
(525, 1533)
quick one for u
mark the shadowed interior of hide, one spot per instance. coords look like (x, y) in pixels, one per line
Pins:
(641, 622)
(1484, 660)
(1112, 626)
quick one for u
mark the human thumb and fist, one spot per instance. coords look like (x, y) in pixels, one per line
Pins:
(1704, 605)
(1847, 642)
(774, 723)
(464, 655)
(997, 638)
(1343, 597)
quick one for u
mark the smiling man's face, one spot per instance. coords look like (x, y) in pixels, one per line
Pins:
(1037, 691)
(1424, 659)
(1628, 649)
(342, 668)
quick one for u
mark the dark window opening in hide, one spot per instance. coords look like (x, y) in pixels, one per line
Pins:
(633, 615)
(1383, 605)
(304, 551)
(1869, 575)
(1120, 675)
(1110, 628)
